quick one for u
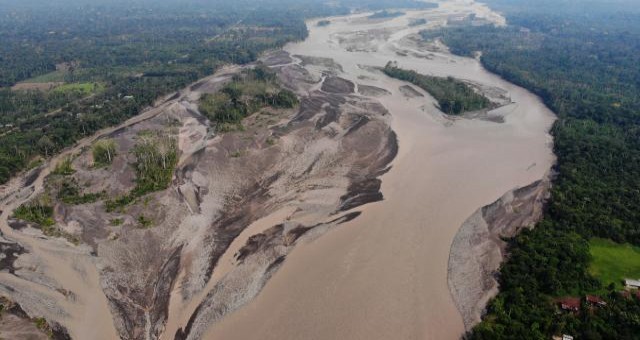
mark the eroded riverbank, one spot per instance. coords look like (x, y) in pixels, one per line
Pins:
(384, 274)
(263, 232)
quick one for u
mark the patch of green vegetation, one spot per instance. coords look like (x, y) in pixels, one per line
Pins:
(82, 88)
(453, 96)
(41, 213)
(37, 212)
(156, 158)
(144, 222)
(418, 22)
(613, 262)
(386, 15)
(64, 167)
(116, 222)
(118, 203)
(230, 127)
(324, 23)
(69, 192)
(35, 163)
(145, 133)
(103, 152)
(248, 93)
(43, 325)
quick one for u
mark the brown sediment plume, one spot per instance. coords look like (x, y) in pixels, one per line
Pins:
(248, 212)
(181, 272)
(384, 274)
(341, 140)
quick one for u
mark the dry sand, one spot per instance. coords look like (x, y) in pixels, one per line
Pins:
(384, 274)
(179, 311)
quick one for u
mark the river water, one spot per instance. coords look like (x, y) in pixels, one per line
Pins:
(384, 274)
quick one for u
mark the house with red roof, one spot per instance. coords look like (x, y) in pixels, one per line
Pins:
(570, 304)
(595, 301)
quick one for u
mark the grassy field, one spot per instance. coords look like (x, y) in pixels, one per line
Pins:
(614, 262)
(85, 88)
(52, 77)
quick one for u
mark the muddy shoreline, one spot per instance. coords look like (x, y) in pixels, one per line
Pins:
(311, 222)
(167, 281)
(386, 273)
(478, 248)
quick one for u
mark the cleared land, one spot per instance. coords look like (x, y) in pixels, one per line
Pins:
(45, 82)
(85, 88)
(613, 262)
(51, 77)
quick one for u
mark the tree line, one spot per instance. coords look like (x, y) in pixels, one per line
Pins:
(584, 66)
(454, 96)
(136, 52)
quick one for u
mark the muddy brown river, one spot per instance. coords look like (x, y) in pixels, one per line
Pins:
(384, 274)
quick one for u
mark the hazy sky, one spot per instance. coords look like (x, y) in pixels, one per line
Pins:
(570, 6)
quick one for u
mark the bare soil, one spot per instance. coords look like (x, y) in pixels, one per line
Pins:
(35, 86)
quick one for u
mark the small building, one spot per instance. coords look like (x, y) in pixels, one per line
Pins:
(562, 337)
(570, 304)
(595, 301)
(631, 283)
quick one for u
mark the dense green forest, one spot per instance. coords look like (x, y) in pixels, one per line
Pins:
(116, 57)
(583, 62)
(453, 96)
